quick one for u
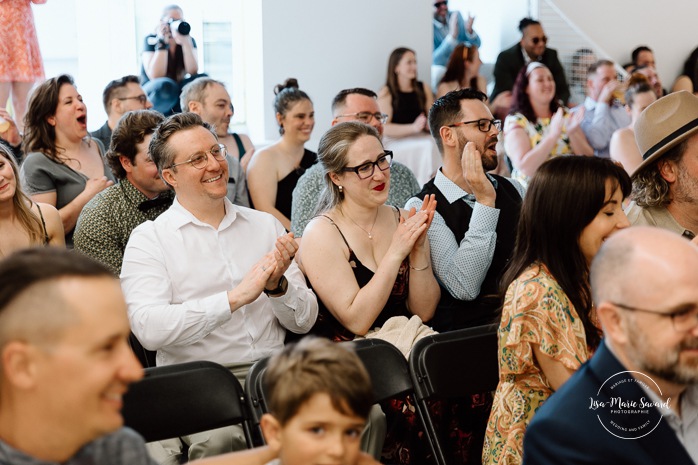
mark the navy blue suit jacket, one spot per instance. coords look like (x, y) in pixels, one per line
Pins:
(565, 431)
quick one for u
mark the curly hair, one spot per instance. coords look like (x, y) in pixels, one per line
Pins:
(650, 189)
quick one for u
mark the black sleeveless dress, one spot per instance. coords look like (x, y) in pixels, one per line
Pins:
(284, 189)
(328, 326)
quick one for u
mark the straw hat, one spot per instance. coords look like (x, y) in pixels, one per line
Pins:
(665, 124)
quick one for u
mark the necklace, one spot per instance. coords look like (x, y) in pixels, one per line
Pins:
(369, 232)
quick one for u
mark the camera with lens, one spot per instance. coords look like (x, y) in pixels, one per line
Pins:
(182, 27)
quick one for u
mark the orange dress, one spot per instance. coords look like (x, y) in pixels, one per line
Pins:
(20, 58)
(536, 312)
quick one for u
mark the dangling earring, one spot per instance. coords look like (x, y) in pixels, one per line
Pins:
(340, 189)
(281, 129)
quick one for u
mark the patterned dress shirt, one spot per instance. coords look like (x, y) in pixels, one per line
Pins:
(106, 222)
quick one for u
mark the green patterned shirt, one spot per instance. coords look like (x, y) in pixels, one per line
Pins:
(106, 222)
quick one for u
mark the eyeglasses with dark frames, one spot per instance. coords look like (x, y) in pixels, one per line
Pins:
(141, 98)
(366, 116)
(366, 170)
(483, 125)
(535, 40)
(200, 160)
(684, 319)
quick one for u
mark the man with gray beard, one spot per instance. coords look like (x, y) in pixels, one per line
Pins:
(636, 400)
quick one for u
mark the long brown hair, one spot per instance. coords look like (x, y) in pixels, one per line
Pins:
(455, 69)
(39, 136)
(394, 88)
(21, 202)
(564, 196)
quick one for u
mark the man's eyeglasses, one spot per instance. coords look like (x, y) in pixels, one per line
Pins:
(365, 171)
(200, 160)
(440, 4)
(684, 319)
(535, 40)
(365, 116)
(483, 125)
(141, 99)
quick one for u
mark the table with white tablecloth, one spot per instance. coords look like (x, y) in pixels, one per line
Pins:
(418, 153)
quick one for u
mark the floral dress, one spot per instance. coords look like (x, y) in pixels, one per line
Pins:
(536, 312)
(536, 131)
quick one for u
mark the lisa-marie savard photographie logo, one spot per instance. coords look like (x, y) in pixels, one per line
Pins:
(624, 408)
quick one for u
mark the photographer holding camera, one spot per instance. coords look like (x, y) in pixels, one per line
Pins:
(168, 61)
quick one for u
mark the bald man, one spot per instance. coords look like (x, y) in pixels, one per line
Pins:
(636, 400)
(65, 362)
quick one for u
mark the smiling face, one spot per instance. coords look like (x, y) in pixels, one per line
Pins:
(407, 66)
(318, 434)
(81, 378)
(299, 121)
(216, 109)
(541, 86)
(608, 220)
(534, 40)
(8, 179)
(372, 190)
(143, 173)
(194, 185)
(70, 118)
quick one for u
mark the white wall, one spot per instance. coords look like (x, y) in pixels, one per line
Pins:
(620, 26)
(329, 46)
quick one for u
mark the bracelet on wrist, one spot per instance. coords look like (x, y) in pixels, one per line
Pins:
(420, 269)
(162, 46)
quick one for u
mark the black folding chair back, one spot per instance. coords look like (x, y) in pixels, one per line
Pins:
(177, 400)
(257, 398)
(452, 365)
(386, 366)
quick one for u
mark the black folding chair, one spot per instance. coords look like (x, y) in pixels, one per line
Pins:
(387, 367)
(452, 365)
(256, 398)
(177, 400)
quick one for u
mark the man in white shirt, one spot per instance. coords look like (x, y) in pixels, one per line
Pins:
(209, 280)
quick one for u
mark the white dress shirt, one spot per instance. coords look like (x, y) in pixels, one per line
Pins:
(176, 274)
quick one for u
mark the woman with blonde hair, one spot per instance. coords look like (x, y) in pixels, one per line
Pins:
(367, 262)
(23, 223)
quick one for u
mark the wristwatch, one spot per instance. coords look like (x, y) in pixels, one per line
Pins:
(279, 289)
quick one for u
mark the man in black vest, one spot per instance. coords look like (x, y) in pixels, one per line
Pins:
(472, 235)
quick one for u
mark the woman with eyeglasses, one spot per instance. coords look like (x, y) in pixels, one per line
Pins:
(404, 99)
(23, 223)
(366, 261)
(548, 327)
(64, 167)
(538, 127)
(273, 172)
